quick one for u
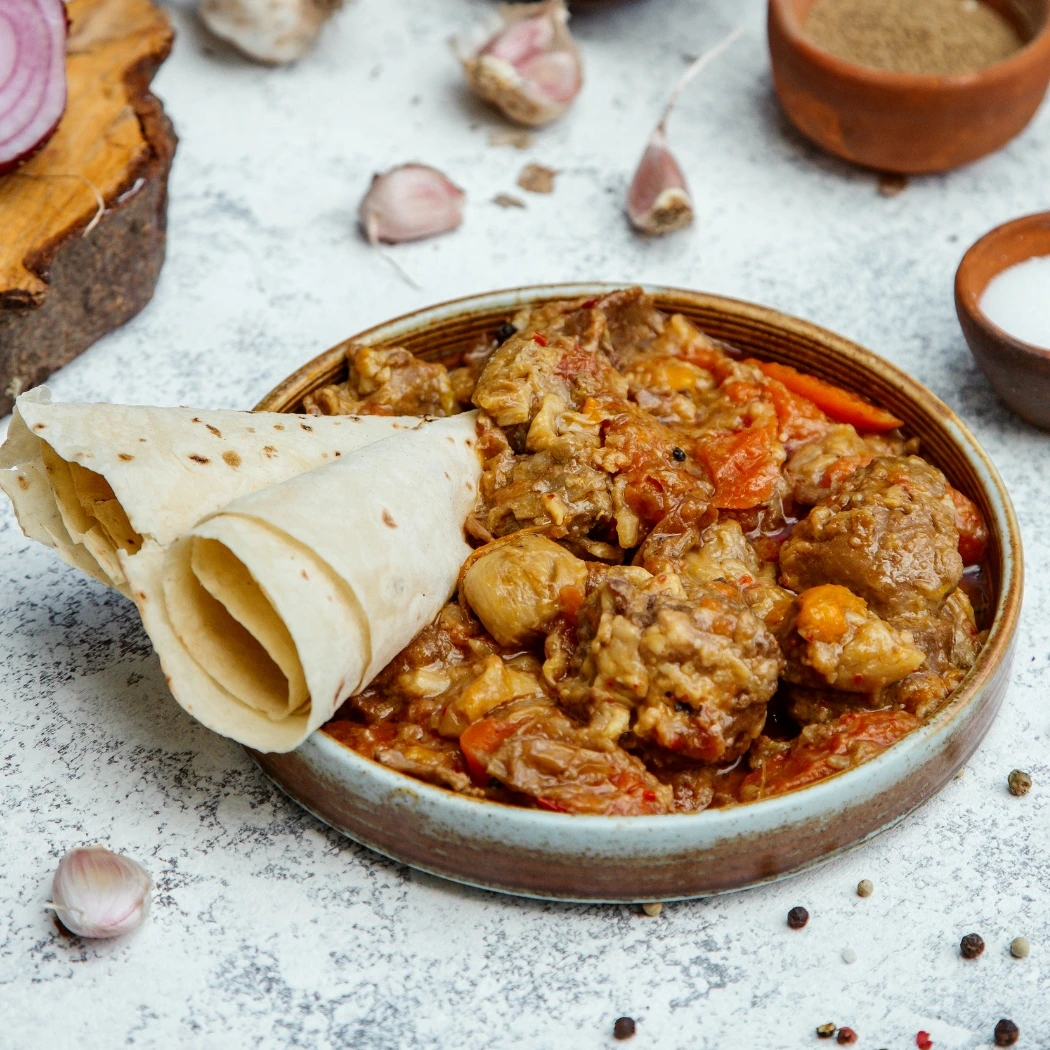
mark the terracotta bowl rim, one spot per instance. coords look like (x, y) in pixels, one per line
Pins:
(818, 796)
(969, 302)
(1034, 53)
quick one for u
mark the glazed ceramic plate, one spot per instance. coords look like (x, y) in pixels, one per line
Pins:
(544, 854)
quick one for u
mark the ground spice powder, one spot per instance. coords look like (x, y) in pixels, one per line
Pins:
(913, 36)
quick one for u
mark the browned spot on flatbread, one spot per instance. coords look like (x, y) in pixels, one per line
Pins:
(195, 419)
(125, 457)
(305, 427)
(141, 596)
(22, 483)
(143, 440)
(198, 459)
(448, 476)
(337, 453)
(302, 572)
(270, 451)
(251, 430)
(278, 426)
(388, 520)
(39, 426)
(231, 459)
(215, 430)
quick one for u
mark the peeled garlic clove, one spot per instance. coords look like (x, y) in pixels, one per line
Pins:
(100, 894)
(271, 31)
(408, 203)
(528, 66)
(658, 201)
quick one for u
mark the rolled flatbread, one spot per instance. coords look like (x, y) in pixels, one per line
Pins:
(92, 481)
(271, 612)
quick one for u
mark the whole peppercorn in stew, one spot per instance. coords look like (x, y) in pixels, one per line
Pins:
(698, 579)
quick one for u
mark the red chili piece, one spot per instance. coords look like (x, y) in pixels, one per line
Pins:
(923, 1040)
(541, 339)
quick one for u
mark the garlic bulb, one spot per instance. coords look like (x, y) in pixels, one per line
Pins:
(408, 203)
(658, 200)
(271, 31)
(100, 894)
(527, 65)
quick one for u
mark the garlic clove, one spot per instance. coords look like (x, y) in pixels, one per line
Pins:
(408, 203)
(270, 31)
(658, 200)
(97, 893)
(528, 65)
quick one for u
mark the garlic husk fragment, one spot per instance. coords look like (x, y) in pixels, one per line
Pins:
(527, 64)
(658, 199)
(408, 203)
(97, 893)
(270, 31)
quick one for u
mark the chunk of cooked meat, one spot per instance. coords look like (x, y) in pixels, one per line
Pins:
(834, 639)
(887, 533)
(386, 382)
(695, 670)
(608, 472)
(534, 365)
(517, 587)
(535, 749)
(819, 465)
(822, 750)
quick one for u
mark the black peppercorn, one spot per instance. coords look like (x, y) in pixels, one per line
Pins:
(971, 945)
(504, 332)
(623, 1028)
(679, 454)
(797, 918)
(1006, 1033)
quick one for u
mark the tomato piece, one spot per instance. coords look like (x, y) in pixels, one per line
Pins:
(807, 760)
(800, 420)
(480, 741)
(973, 532)
(841, 405)
(744, 465)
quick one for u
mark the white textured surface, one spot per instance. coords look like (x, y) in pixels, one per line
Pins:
(270, 931)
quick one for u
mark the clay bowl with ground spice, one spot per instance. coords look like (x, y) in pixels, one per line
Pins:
(539, 853)
(1017, 371)
(908, 123)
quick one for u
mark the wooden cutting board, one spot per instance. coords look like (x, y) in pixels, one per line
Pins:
(68, 276)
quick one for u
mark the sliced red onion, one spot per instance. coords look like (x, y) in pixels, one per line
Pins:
(32, 76)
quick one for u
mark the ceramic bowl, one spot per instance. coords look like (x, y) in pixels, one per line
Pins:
(908, 123)
(1018, 371)
(543, 854)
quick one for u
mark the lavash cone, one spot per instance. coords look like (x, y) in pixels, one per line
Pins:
(267, 615)
(96, 482)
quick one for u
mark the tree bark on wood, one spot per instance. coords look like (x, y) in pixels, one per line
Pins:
(65, 278)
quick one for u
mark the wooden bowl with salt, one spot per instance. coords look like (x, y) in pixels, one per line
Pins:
(910, 122)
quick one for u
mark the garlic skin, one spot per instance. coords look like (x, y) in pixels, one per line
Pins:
(658, 200)
(271, 31)
(97, 893)
(408, 203)
(527, 65)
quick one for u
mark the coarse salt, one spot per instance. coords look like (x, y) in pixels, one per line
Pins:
(1018, 301)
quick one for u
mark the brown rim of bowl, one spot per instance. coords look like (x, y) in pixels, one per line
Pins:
(889, 386)
(968, 295)
(1035, 51)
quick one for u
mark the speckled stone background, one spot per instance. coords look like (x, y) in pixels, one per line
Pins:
(270, 931)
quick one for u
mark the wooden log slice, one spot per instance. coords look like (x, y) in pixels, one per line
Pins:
(67, 276)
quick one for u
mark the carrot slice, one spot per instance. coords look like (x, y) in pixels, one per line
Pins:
(841, 405)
